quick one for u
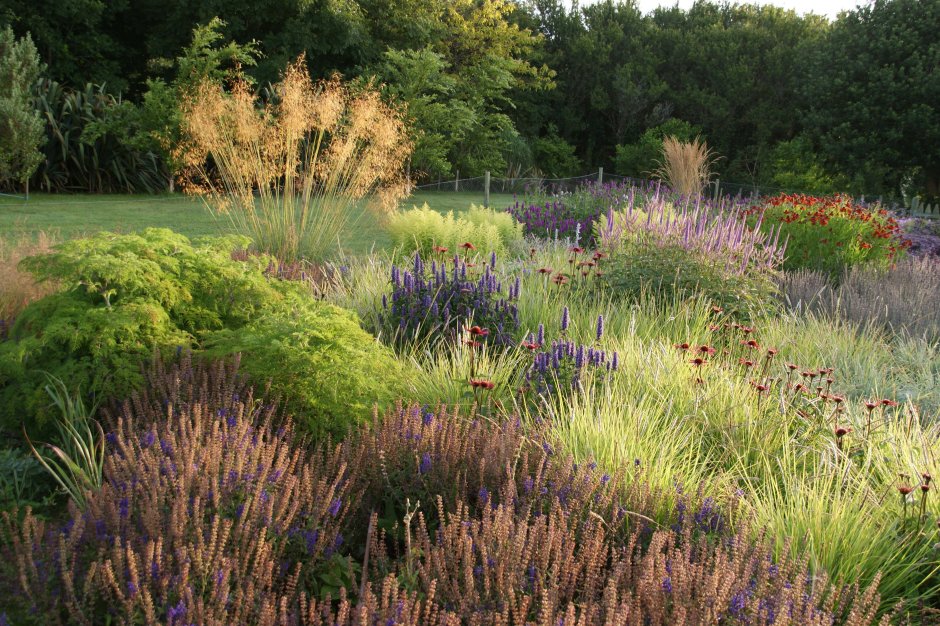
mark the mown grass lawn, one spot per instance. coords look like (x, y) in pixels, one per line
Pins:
(67, 216)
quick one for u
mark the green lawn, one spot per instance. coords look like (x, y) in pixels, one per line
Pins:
(68, 216)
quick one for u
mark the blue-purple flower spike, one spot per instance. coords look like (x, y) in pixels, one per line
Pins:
(565, 319)
(600, 327)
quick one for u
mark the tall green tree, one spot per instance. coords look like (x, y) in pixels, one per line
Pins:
(872, 94)
(21, 127)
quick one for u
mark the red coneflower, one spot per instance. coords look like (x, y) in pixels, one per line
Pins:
(599, 255)
(714, 327)
(791, 366)
(746, 362)
(871, 405)
(838, 399)
(545, 270)
(681, 346)
(760, 387)
(476, 331)
(717, 309)
(531, 345)
(927, 477)
(698, 361)
(468, 246)
(439, 249)
(598, 273)
(472, 343)
(481, 384)
(751, 343)
(887, 402)
(905, 489)
(576, 249)
(559, 279)
(470, 265)
(771, 352)
(706, 350)
(747, 330)
(842, 431)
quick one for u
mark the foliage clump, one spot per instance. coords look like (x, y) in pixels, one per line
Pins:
(424, 230)
(123, 297)
(701, 251)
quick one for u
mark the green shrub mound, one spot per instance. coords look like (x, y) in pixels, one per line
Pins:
(125, 297)
(674, 271)
(325, 368)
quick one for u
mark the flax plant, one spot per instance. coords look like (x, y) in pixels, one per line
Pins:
(77, 462)
(290, 173)
(686, 166)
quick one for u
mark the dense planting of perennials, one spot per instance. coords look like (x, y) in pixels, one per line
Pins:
(714, 232)
(565, 364)
(443, 298)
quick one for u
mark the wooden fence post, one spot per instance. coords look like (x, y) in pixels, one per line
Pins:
(600, 176)
(486, 189)
(457, 180)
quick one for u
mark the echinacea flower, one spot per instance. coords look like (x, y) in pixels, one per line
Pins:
(706, 350)
(927, 477)
(681, 346)
(751, 343)
(481, 383)
(439, 249)
(842, 431)
(576, 249)
(871, 405)
(545, 270)
(468, 246)
(791, 366)
(476, 331)
(559, 279)
(717, 309)
(472, 343)
(887, 402)
(531, 345)
(905, 489)
(698, 361)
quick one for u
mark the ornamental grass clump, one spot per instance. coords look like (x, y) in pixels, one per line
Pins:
(291, 172)
(686, 166)
(440, 300)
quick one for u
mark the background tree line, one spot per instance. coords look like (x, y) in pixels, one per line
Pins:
(515, 87)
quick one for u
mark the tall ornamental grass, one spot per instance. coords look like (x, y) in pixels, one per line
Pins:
(290, 173)
(686, 166)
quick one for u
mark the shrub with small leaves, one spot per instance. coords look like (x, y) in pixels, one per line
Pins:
(424, 229)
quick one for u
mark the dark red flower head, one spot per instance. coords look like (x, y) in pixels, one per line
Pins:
(440, 249)
(905, 489)
(698, 361)
(706, 350)
(468, 246)
(545, 270)
(871, 405)
(481, 384)
(842, 431)
(681, 346)
(791, 366)
(476, 331)
(576, 249)
(717, 309)
(751, 343)
(887, 402)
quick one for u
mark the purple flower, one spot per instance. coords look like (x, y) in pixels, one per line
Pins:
(483, 495)
(425, 465)
(124, 507)
(667, 584)
(565, 319)
(174, 612)
(335, 507)
(147, 439)
(600, 327)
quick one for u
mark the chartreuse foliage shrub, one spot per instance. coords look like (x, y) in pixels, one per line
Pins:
(322, 365)
(124, 297)
(424, 229)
